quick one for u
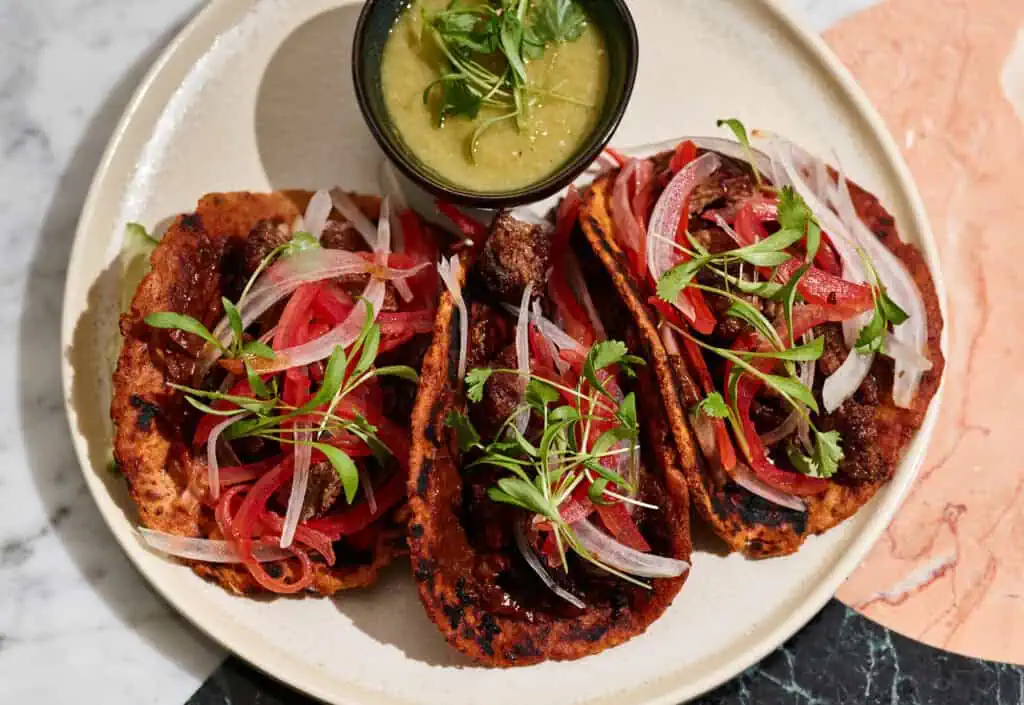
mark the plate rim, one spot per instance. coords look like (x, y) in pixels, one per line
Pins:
(806, 38)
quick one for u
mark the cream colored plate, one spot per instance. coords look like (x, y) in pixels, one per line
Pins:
(256, 94)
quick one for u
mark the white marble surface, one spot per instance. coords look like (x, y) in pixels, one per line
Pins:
(76, 622)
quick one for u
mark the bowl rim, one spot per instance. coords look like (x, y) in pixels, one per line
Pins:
(595, 143)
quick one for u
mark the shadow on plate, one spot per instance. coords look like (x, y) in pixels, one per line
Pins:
(405, 626)
(309, 130)
(71, 515)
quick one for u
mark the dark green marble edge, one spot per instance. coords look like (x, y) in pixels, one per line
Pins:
(839, 658)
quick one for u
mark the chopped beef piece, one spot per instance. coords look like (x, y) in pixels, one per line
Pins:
(502, 395)
(339, 235)
(732, 182)
(322, 491)
(864, 458)
(835, 350)
(263, 239)
(516, 254)
(488, 335)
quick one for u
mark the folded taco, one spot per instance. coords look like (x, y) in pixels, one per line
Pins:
(549, 518)
(263, 393)
(795, 337)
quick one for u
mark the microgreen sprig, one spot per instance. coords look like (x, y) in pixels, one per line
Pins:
(544, 474)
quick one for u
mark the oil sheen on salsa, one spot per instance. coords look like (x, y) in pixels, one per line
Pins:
(508, 157)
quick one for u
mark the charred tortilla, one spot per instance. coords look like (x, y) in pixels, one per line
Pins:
(474, 587)
(200, 258)
(875, 431)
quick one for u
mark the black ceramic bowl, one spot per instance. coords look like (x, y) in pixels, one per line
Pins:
(375, 23)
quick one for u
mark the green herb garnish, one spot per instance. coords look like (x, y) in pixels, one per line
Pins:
(543, 474)
(486, 48)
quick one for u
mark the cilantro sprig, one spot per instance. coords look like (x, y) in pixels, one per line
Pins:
(486, 47)
(886, 312)
(268, 417)
(544, 472)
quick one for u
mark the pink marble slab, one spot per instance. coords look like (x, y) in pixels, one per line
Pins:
(948, 77)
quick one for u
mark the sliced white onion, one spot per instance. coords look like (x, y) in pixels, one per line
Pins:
(350, 212)
(550, 330)
(317, 213)
(288, 274)
(616, 555)
(367, 487)
(856, 367)
(343, 334)
(626, 224)
(661, 255)
(531, 559)
(668, 337)
(745, 478)
(208, 550)
(300, 480)
(846, 380)
(782, 431)
(577, 284)
(523, 353)
(901, 287)
(906, 355)
(704, 430)
(451, 273)
(391, 186)
(383, 247)
(212, 462)
(393, 191)
(731, 148)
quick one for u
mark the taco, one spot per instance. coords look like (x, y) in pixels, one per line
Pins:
(795, 338)
(549, 517)
(262, 397)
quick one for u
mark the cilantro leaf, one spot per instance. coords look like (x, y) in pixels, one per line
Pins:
(334, 375)
(557, 21)
(827, 452)
(465, 433)
(627, 412)
(539, 394)
(740, 131)
(892, 312)
(603, 355)
(792, 211)
(455, 98)
(300, 242)
(672, 282)
(872, 335)
(806, 352)
(476, 379)
(179, 321)
(237, 329)
(256, 383)
(511, 35)
(255, 348)
(747, 312)
(401, 371)
(520, 493)
(787, 294)
(596, 491)
(344, 467)
(714, 405)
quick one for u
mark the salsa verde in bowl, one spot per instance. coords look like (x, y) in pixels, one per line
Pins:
(494, 103)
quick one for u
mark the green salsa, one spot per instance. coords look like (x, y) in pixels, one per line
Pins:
(493, 142)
